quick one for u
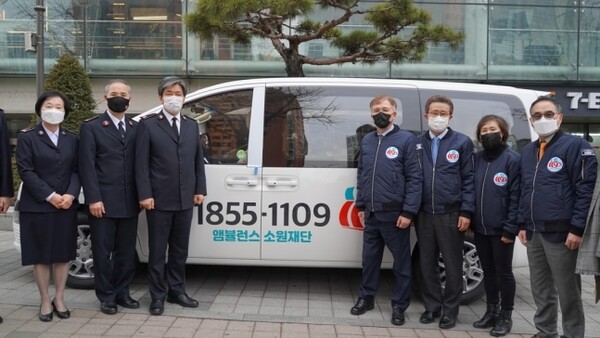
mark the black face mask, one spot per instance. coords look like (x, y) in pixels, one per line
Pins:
(117, 104)
(491, 141)
(382, 120)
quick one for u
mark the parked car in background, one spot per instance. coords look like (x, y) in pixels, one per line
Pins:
(280, 158)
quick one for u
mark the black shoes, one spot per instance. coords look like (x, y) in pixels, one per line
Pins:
(108, 308)
(157, 307)
(489, 318)
(45, 317)
(397, 316)
(362, 305)
(183, 300)
(61, 314)
(128, 302)
(503, 324)
(447, 322)
(1, 320)
(429, 317)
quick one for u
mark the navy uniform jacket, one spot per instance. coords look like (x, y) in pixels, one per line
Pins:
(169, 169)
(106, 164)
(46, 168)
(449, 186)
(556, 192)
(6, 179)
(389, 178)
(497, 193)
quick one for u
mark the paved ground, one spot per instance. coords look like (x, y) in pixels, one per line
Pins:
(247, 302)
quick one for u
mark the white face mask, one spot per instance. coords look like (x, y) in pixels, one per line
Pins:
(545, 127)
(53, 116)
(173, 104)
(438, 124)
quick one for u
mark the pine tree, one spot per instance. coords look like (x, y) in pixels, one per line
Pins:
(69, 77)
(400, 31)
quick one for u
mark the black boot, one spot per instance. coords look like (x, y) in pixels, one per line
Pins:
(503, 324)
(489, 318)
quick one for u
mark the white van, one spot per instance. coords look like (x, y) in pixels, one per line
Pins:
(280, 164)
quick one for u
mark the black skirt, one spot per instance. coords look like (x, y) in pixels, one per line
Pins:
(48, 238)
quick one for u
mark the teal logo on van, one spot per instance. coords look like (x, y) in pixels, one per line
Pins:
(348, 215)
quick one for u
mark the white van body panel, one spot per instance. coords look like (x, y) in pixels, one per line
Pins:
(283, 207)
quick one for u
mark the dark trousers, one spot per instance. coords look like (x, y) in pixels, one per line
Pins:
(439, 234)
(168, 229)
(113, 242)
(496, 260)
(378, 234)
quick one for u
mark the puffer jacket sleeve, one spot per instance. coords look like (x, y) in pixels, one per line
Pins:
(510, 227)
(467, 173)
(583, 165)
(414, 179)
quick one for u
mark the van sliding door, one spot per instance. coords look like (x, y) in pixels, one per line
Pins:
(311, 142)
(226, 227)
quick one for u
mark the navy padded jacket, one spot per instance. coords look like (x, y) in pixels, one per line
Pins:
(497, 192)
(556, 192)
(389, 178)
(449, 186)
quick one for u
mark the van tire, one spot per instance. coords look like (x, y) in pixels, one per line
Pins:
(81, 270)
(473, 288)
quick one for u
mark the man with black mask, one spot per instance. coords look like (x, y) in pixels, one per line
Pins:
(106, 163)
(389, 185)
(497, 192)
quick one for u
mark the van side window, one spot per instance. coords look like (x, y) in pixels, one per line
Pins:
(469, 109)
(322, 126)
(224, 121)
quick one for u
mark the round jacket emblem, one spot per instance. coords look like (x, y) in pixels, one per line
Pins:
(452, 156)
(391, 152)
(500, 179)
(555, 164)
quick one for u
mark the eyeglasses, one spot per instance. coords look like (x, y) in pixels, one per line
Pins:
(436, 113)
(547, 115)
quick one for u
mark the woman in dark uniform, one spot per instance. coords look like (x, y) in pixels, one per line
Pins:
(47, 163)
(497, 181)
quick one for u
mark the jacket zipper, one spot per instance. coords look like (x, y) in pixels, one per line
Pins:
(481, 200)
(433, 183)
(533, 192)
(373, 175)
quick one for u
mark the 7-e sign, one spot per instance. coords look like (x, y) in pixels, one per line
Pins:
(592, 100)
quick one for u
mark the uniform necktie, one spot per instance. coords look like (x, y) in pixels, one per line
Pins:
(174, 126)
(121, 130)
(434, 148)
(543, 145)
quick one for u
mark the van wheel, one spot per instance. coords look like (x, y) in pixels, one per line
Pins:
(473, 288)
(81, 270)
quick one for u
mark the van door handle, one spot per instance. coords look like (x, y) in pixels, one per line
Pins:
(282, 182)
(242, 181)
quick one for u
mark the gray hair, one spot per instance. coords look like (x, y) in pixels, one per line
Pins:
(547, 98)
(111, 82)
(169, 82)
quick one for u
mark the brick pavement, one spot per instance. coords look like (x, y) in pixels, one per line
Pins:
(248, 302)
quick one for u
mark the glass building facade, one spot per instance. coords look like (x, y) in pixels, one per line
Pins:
(544, 44)
(506, 40)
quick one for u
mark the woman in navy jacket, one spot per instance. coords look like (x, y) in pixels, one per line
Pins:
(497, 180)
(47, 163)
